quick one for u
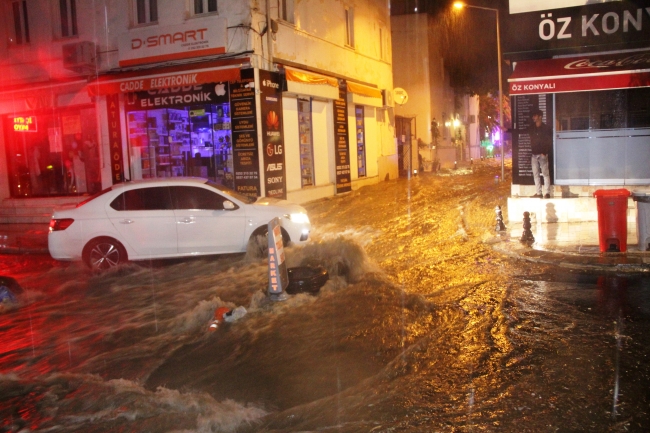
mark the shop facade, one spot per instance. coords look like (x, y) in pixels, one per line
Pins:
(265, 111)
(292, 134)
(595, 98)
(600, 112)
(587, 68)
(51, 145)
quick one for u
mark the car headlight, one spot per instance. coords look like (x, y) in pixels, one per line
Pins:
(298, 218)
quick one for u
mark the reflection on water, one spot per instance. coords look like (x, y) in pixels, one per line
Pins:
(422, 327)
(612, 301)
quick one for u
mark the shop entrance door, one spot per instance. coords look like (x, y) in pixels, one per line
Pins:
(403, 130)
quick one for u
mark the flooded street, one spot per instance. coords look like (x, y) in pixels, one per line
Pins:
(422, 327)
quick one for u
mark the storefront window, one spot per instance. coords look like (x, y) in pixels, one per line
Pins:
(638, 111)
(306, 146)
(609, 109)
(53, 154)
(182, 141)
(361, 141)
(146, 11)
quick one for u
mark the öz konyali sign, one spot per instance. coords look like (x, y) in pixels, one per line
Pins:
(566, 26)
(152, 44)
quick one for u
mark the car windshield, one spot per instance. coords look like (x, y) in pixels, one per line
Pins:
(231, 193)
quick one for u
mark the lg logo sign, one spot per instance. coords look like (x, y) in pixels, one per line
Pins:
(273, 149)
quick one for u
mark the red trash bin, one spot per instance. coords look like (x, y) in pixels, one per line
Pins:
(612, 219)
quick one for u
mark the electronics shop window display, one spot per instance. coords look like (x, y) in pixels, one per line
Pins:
(184, 141)
(306, 142)
(156, 138)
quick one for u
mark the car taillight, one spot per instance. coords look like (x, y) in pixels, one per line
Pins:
(60, 224)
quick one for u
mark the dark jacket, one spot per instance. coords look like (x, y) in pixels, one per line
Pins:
(541, 139)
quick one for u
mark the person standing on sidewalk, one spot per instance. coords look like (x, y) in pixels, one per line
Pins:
(541, 144)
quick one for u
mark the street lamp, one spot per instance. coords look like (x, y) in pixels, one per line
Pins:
(459, 5)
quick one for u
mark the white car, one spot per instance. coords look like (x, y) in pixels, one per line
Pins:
(165, 218)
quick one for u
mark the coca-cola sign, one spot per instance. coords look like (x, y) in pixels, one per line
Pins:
(627, 62)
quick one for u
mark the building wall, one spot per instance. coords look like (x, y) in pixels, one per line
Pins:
(411, 72)
(317, 41)
(419, 69)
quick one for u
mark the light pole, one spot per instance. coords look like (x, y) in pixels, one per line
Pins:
(459, 5)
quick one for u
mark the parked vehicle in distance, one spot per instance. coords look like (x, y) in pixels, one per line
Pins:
(167, 218)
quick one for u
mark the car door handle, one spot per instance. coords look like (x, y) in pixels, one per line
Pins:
(188, 220)
(126, 221)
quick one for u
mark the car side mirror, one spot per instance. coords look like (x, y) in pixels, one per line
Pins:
(228, 205)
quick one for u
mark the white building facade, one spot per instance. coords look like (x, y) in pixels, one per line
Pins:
(280, 98)
(419, 69)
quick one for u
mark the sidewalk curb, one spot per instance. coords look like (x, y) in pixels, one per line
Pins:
(621, 262)
(23, 250)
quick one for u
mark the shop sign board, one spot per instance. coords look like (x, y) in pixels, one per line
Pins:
(195, 38)
(342, 141)
(25, 124)
(275, 181)
(115, 138)
(199, 94)
(533, 28)
(519, 6)
(107, 85)
(244, 132)
(581, 73)
(522, 107)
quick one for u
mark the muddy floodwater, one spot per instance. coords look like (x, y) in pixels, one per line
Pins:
(422, 327)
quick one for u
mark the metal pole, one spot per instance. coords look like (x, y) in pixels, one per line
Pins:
(269, 34)
(503, 145)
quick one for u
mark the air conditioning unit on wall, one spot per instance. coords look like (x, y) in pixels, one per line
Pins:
(387, 97)
(80, 57)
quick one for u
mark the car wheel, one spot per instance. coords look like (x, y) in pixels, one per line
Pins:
(104, 253)
(258, 244)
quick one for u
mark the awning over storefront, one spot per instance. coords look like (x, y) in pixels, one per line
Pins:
(364, 95)
(575, 74)
(173, 76)
(311, 84)
(44, 94)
